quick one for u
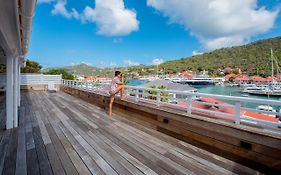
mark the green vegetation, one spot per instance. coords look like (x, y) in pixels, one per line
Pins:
(31, 67)
(62, 72)
(153, 95)
(252, 59)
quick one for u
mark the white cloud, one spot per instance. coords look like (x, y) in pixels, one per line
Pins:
(131, 63)
(112, 18)
(60, 9)
(104, 64)
(157, 61)
(195, 52)
(218, 23)
(82, 62)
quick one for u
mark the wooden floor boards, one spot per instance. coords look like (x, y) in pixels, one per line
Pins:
(60, 134)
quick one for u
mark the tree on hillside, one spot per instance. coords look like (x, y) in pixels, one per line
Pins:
(62, 72)
(31, 67)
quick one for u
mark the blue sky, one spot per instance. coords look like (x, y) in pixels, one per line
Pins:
(112, 33)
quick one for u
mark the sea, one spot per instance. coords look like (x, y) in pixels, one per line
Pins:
(220, 90)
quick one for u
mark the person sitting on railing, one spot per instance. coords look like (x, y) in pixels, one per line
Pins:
(117, 85)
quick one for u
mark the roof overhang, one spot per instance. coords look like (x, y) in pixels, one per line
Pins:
(15, 27)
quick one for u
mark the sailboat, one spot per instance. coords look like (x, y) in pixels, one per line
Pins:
(273, 89)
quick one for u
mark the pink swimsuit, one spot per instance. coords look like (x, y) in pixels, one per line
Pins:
(114, 85)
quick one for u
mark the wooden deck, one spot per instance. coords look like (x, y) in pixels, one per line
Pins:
(61, 134)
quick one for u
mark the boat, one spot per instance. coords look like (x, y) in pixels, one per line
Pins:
(267, 92)
(199, 80)
(266, 108)
(252, 87)
(273, 88)
(176, 80)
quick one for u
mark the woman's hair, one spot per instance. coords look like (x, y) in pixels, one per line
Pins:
(117, 73)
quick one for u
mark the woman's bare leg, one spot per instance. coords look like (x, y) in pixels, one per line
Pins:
(111, 99)
(122, 92)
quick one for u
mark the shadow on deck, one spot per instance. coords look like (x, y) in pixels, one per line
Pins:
(61, 134)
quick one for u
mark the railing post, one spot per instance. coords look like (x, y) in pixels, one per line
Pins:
(158, 98)
(41, 78)
(237, 112)
(189, 105)
(137, 95)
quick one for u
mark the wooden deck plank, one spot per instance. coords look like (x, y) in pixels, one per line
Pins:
(142, 167)
(54, 160)
(133, 150)
(63, 156)
(92, 152)
(79, 157)
(93, 167)
(191, 150)
(11, 155)
(156, 144)
(102, 151)
(115, 155)
(3, 148)
(44, 164)
(76, 160)
(164, 162)
(21, 167)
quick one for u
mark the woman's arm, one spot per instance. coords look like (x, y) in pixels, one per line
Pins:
(120, 81)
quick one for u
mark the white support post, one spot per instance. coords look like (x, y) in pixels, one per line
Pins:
(9, 93)
(137, 95)
(42, 78)
(15, 70)
(237, 112)
(19, 83)
(189, 105)
(158, 98)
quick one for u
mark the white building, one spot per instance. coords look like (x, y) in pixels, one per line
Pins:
(15, 26)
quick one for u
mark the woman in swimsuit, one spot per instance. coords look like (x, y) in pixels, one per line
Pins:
(117, 85)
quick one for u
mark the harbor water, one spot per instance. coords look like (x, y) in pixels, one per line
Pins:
(220, 90)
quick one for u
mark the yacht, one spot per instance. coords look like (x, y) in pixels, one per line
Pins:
(266, 108)
(201, 79)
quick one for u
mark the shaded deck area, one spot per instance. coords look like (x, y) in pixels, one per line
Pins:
(61, 134)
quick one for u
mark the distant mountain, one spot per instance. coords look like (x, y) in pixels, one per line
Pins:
(78, 69)
(82, 69)
(252, 59)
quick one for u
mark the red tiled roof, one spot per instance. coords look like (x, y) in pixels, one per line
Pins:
(257, 78)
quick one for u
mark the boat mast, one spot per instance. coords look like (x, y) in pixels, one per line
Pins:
(272, 66)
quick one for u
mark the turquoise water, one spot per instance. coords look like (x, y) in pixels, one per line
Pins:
(234, 91)
(136, 82)
(226, 90)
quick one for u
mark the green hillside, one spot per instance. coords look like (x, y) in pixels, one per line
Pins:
(252, 59)
(81, 69)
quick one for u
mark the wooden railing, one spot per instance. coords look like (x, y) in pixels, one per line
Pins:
(170, 98)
